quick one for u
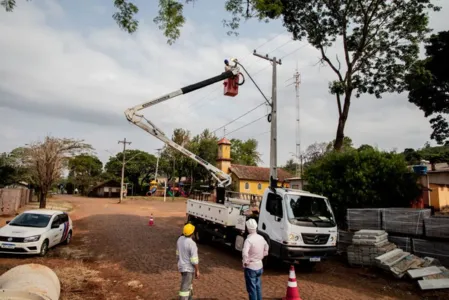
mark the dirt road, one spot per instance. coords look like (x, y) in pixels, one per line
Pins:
(116, 255)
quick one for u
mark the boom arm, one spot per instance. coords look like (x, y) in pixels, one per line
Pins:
(131, 114)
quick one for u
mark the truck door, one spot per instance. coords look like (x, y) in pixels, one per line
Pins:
(271, 218)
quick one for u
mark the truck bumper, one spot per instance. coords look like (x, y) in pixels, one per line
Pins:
(305, 253)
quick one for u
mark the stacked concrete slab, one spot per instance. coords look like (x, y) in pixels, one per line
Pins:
(367, 245)
(364, 218)
(405, 220)
(437, 227)
(404, 243)
(344, 240)
(438, 250)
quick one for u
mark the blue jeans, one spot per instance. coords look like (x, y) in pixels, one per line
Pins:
(253, 283)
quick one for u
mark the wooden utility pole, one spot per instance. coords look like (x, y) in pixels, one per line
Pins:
(124, 142)
(273, 119)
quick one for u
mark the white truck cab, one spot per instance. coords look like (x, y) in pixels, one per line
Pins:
(297, 224)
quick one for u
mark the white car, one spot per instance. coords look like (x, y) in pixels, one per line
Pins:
(35, 231)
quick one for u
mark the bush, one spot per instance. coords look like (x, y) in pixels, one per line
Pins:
(364, 178)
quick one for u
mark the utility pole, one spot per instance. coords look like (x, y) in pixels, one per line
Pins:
(273, 119)
(157, 162)
(297, 82)
(124, 142)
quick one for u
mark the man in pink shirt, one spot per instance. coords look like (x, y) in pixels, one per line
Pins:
(254, 250)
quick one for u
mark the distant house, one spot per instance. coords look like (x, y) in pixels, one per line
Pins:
(246, 179)
(107, 189)
(438, 179)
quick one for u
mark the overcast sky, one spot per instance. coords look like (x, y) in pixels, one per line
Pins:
(67, 70)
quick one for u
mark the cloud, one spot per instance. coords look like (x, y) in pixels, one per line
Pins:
(77, 82)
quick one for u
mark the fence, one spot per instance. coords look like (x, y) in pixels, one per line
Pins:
(13, 199)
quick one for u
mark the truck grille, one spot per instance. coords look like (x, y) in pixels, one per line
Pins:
(315, 239)
(14, 239)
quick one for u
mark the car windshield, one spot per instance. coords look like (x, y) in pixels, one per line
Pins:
(309, 209)
(31, 220)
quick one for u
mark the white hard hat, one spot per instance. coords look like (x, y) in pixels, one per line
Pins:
(251, 224)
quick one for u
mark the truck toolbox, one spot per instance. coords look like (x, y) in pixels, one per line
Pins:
(218, 213)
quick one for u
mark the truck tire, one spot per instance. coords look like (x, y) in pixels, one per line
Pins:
(201, 236)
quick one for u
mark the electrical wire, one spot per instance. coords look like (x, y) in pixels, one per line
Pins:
(293, 51)
(247, 124)
(230, 122)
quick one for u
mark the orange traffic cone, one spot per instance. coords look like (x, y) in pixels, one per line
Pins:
(292, 287)
(151, 222)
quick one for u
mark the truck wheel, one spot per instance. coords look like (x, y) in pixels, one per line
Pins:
(201, 236)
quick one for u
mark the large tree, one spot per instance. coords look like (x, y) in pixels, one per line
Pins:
(362, 178)
(47, 159)
(245, 152)
(140, 167)
(428, 83)
(84, 171)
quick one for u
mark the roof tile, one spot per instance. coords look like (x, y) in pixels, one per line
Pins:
(257, 173)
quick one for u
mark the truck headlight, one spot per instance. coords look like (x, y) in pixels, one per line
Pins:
(293, 237)
(33, 238)
(332, 239)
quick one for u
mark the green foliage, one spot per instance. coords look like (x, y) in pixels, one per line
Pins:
(428, 85)
(140, 167)
(12, 169)
(84, 172)
(291, 166)
(433, 155)
(362, 178)
(245, 153)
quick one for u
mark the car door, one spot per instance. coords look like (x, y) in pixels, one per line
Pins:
(65, 226)
(55, 231)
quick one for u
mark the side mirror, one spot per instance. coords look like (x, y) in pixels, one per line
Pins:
(54, 225)
(7, 222)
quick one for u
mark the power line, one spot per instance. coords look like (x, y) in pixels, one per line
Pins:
(247, 124)
(270, 39)
(230, 122)
(293, 51)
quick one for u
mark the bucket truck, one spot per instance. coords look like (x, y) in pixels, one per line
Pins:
(297, 225)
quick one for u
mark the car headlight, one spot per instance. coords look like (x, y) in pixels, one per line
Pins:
(33, 238)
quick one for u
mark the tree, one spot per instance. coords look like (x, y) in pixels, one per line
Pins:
(379, 39)
(347, 144)
(84, 171)
(428, 85)
(47, 159)
(291, 166)
(140, 167)
(362, 179)
(245, 152)
(315, 151)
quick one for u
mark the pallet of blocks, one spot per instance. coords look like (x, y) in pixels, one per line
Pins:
(344, 240)
(405, 220)
(437, 227)
(364, 218)
(367, 245)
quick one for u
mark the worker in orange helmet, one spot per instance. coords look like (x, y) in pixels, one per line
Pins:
(187, 254)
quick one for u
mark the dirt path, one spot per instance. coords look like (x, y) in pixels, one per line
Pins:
(115, 255)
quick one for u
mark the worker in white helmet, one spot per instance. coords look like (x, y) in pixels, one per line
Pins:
(254, 250)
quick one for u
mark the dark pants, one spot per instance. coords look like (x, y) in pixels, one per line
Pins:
(253, 283)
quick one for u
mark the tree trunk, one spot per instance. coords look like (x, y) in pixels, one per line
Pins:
(342, 122)
(42, 199)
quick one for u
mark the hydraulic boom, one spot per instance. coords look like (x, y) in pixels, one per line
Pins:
(132, 115)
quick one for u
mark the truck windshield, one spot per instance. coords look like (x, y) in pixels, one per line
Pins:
(309, 211)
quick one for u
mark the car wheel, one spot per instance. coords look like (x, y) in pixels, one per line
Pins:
(44, 248)
(69, 238)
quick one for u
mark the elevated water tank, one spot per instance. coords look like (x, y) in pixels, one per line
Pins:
(420, 169)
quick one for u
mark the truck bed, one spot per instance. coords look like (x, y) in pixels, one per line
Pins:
(227, 215)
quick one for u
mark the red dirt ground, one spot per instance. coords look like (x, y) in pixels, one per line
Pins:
(115, 255)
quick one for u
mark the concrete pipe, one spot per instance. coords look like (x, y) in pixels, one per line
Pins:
(30, 282)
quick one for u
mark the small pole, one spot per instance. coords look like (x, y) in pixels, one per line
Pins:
(123, 168)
